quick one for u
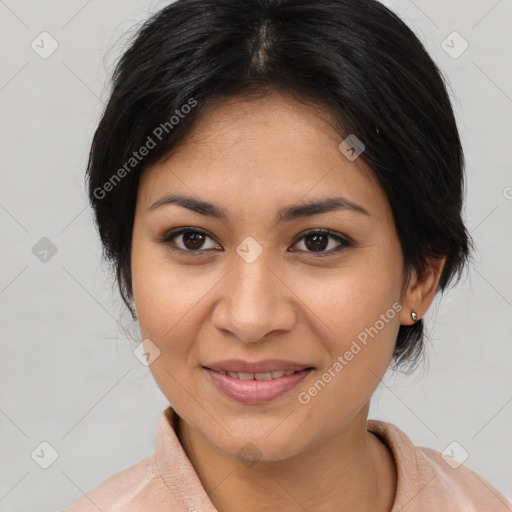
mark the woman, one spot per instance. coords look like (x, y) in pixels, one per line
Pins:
(279, 187)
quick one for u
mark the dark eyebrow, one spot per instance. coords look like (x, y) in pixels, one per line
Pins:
(328, 204)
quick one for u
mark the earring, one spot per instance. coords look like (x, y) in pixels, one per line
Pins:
(414, 316)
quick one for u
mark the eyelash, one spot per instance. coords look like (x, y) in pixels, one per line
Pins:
(168, 239)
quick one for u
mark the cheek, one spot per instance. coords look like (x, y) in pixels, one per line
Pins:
(168, 304)
(355, 314)
(356, 318)
(169, 299)
(350, 299)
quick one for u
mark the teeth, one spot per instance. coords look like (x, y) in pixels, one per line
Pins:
(257, 376)
(263, 376)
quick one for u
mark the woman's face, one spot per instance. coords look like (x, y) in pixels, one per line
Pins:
(255, 286)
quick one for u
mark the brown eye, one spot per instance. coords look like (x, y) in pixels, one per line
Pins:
(195, 242)
(188, 240)
(318, 241)
(192, 240)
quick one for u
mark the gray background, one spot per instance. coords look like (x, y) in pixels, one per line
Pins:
(67, 372)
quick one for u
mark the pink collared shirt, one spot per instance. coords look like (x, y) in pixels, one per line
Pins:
(166, 481)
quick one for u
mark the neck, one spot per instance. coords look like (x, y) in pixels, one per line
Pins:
(351, 471)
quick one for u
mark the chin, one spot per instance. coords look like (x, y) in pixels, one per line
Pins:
(256, 444)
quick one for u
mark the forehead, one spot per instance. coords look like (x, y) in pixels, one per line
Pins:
(265, 150)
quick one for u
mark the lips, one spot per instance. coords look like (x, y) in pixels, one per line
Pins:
(256, 383)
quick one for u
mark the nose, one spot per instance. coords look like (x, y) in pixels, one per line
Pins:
(256, 300)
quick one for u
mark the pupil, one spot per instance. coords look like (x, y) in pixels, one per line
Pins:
(319, 241)
(195, 239)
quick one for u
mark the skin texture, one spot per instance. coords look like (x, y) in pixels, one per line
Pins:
(253, 158)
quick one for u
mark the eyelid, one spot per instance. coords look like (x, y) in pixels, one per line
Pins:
(343, 240)
(168, 237)
(324, 231)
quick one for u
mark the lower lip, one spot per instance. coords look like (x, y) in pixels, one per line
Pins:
(256, 391)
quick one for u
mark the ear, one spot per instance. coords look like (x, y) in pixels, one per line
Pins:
(421, 291)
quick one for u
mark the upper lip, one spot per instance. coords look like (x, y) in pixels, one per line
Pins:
(268, 365)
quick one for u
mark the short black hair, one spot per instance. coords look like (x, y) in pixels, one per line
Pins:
(356, 58)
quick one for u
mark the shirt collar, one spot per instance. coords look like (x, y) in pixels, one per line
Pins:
(175, 467)
(408, 490)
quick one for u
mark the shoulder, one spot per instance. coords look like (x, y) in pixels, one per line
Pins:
(125, 491)
(459, 483)
(429, 480)
(166, 480)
